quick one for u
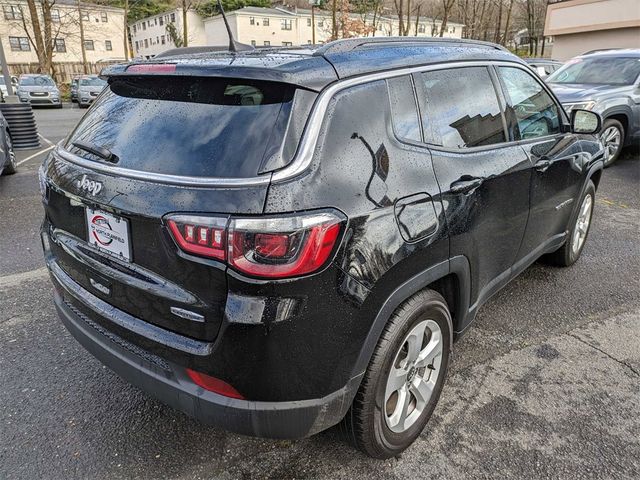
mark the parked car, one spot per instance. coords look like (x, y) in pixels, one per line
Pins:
(89, 87)
(607, 82)
(74, 88)
(543, 66)
(3, 86)
(251, 239)
(8, 163)
(38, 90)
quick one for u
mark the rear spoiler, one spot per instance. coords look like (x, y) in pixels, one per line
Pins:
(316, 74)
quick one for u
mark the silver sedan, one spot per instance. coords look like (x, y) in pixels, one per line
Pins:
(7, 157)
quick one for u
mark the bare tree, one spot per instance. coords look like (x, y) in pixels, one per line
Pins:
(505, 36)
(38, 27)
(85, 67)
(399, 4)
(447, 6)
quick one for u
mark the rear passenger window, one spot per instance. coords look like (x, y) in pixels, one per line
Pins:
(404, 110)
(462, 108)
(535, 112)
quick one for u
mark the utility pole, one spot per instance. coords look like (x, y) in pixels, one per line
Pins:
(84, 53)
(5, 74)
(126, 30)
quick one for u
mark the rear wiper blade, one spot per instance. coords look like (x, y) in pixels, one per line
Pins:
(97, 150)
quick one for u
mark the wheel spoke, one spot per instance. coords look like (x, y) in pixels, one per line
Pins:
(433, 349)
(611, 133)
(397, 379)
(399, 414)
(576, 242)
(422, 390)
(414, 342)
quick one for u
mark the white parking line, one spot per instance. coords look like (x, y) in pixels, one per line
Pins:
(35, 155)
(46, 140)
(15, 279)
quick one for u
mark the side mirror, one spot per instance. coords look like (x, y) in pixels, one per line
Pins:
(585, 121)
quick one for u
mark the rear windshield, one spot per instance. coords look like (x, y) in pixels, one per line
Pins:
(208, 127)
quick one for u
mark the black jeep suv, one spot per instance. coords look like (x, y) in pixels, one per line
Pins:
(278, 240)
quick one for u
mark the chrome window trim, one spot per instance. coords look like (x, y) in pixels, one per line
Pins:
(308, 143)
(180, 180)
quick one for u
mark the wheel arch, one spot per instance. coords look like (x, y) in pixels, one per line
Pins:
(450, 278)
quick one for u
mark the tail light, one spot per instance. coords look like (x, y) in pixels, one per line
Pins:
(267, 247)
(204, 236)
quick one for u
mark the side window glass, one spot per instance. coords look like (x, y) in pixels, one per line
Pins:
(462, 107)
(535, 111)
(404, 110)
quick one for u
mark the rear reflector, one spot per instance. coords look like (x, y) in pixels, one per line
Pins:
(265, 247)
(213, 384)
(152, 68)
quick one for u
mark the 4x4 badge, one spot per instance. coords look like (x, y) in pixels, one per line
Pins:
(91, 186)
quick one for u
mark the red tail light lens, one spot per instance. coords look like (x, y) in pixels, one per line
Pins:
(283, 246)
(213, 384)
(267, 247)
(200, 235)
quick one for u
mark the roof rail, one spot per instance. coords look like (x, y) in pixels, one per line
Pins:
(598, 50)
(348, 44)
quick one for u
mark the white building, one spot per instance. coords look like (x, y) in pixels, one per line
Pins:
(150, 36)
(103, 32)
(264, 27)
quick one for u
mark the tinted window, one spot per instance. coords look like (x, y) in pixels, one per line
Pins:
(403, 108)
(462, 108)
(534, 111)
(92, 82)
(598, 71)
(199, 127)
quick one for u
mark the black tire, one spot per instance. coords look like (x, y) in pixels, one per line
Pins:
(365, 423)
(11, 167)
(611, 123)
(59, 106)
(566, 255)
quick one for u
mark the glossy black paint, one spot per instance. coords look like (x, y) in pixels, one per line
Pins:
(419, 215)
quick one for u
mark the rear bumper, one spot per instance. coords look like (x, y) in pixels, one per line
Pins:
(169, 383)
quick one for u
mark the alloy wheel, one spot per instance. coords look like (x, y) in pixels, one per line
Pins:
(413, 376)
(610, 138)
(582, 224)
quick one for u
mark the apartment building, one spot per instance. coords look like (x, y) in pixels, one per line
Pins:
(150, 36)
(264, 27)
(579, 26)
(103, 32)
(280, 27)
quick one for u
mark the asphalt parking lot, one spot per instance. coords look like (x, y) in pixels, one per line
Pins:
(546, 384)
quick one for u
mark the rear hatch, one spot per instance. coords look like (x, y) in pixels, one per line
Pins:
(148, 147)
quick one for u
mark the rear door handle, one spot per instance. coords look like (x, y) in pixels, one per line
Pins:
(465, 184)
(542, 165)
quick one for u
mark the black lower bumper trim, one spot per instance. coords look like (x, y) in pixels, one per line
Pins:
(286, 420)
